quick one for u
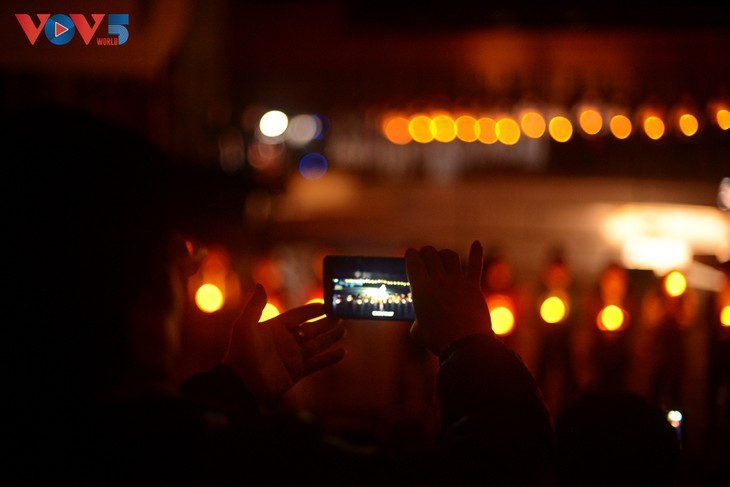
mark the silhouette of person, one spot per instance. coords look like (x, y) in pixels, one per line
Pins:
(556, 317)
(103, 243)
(616, 438)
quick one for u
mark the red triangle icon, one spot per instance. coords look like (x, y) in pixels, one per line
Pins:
(60, 29)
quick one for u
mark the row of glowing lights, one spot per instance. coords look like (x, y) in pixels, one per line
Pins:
(554, 308)
(423, 128)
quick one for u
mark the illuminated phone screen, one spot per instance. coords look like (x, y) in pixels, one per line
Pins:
(367, 288)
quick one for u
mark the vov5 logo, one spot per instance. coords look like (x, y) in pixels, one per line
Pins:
(60, 28)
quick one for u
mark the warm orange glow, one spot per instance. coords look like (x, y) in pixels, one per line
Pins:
(395, 129)
(725, 316)
(553, 310)
(466, 128)
(654, 127)
(723, 118)
(209, 298)
(675, 284)
(270, 311)
(486, 130)
(620, 126)
(610, 318)
(675, 418)
(503, 321)
(316, 300)
(590, 121)
(420, 128)
(560, 128)
(507, 131)
(443, 128)
(501, 313)
(533, 124)
(688, 124)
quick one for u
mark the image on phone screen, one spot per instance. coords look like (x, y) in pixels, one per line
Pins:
(367, 288)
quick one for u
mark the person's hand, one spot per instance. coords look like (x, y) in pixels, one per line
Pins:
(273, 355)
(448, 300)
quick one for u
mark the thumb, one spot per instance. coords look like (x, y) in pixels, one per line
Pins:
(255, 306)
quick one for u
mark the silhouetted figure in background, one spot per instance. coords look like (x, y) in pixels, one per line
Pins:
(616, 438)
(718, 363)
(669, 330)
(603, 338)
(505, 300)
(556, 315)
(104, 246)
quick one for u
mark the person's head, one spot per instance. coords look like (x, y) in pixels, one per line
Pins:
(96, 221)
(615, 438)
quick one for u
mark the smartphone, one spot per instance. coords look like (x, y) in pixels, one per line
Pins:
(367, 288)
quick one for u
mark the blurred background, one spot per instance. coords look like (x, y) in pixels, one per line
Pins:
(586, 146)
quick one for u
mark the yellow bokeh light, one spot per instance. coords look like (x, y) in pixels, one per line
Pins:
(316, 300)
(688, 124)
(675, 284)
(560, 129)
(486, 130)
(507, 131)
(503, 321)
(610, 318)
(443, 128)
(466, 128)
(395, 129)
(553, 310)
(420, 128)
(533, 124)
(620, 126)
(725, 316)
(654, 127)
(269, 311)
(723, 118)
(209, 298)
(591, 121)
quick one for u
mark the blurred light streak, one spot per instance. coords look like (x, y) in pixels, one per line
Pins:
(313, 165)
(507, 131)
(486, 130)
(560, 128)
(533, 124)
(620, 126)
(553, 309)
(443, 128)
(395, 129)
(273, 123)
(302, 129)
(654, 127)
(611, 318)
(688, 124)
(270, 311)
(653, 235)
(467, 129)
(209, 298)
(675, 284)
(590, 120)
(420, 128)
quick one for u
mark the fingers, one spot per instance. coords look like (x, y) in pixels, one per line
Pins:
(476, 260)
(252, 311)
(450, 261)
(415, 267)
(292, 318)
(432, 260)
(333, 333)
(323, 360)
(312, 329)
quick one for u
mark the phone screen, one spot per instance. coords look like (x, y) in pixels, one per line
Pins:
(367, 288)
